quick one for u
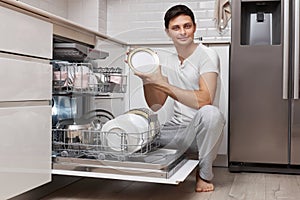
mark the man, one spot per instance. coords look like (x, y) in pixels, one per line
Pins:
(190, 78)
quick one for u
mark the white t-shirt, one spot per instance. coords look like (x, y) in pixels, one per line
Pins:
(187, 75)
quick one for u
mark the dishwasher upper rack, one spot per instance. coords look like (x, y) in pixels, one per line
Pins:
(96, 144)
(83, 78)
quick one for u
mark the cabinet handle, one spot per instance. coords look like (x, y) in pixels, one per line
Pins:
(285, 49)
(296, 53)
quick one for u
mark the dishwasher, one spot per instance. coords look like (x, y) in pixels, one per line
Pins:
(89, 141)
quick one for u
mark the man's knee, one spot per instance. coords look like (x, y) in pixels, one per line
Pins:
(209, 114)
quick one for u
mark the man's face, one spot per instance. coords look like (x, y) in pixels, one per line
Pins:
(181, 30)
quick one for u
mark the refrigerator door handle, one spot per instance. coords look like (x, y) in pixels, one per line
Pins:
(296, 52)
(285, 49)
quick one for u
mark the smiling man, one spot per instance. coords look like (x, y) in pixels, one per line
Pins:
(190, 78)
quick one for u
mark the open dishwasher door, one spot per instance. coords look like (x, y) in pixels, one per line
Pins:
(161, 166)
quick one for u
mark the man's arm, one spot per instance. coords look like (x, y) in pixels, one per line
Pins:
(157, 89)
(155, 98)
(193, 98)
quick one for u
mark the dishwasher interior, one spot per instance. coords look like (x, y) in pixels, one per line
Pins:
(91, 141)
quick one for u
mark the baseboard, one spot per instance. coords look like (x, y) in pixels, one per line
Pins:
(264, 168)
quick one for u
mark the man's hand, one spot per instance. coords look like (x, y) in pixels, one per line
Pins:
(155, 77)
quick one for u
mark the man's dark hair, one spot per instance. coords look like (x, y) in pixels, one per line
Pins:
(176, 11)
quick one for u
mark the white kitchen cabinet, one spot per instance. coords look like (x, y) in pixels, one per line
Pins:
(24, 79)
(24, 34)
(222, 94)
(25, 149)
(25, 110)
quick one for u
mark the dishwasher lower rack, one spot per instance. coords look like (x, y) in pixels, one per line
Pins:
(87, 153)
(101, 145)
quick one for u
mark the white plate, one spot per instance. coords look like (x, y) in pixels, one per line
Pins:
(127, 132)
(145, 112)
(143, 60)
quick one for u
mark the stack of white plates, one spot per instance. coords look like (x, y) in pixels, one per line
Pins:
(127, 132)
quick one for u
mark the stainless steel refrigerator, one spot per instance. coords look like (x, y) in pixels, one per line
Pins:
(264, 116)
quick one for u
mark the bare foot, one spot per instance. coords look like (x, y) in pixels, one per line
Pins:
(203, 185)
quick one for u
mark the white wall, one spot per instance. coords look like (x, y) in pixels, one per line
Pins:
(142, 21)
(84, 12)
(102, 18)
(57, 7)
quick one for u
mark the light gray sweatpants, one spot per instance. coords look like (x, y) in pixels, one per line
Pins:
(202, 135)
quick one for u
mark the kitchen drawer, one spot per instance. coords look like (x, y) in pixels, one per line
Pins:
(25, 148)
(23, 80)
(26, 35)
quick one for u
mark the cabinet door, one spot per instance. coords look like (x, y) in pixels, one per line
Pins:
(25, 149)
(221, 97)
(23, 80)
(24, 34)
